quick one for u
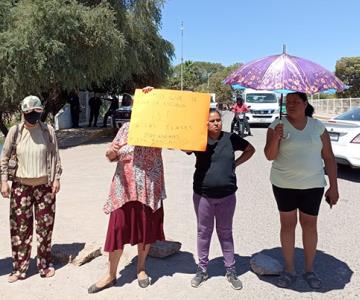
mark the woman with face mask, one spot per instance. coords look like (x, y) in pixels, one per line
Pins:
(35, 182)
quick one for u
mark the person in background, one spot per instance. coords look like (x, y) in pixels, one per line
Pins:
(135, 205)
(214, 195)
(237, 108)
(95, 104)
(299, 147)
(36, 183)
(114, 105)
(74, 108)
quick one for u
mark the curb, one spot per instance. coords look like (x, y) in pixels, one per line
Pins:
(75, 137)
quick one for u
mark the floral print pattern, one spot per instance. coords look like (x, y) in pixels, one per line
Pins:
(25, 199)
(285, 73)
(139, 175)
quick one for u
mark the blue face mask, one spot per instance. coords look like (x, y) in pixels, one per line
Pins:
(32, 117)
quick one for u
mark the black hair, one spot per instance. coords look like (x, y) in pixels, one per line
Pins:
(239, 98)
(214, 110)
(309, 110)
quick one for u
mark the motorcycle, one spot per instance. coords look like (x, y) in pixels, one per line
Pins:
(241, 125)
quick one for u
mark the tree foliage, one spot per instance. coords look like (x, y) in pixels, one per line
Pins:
(49, 47)
(348, 70)
(203, 77)
(147, 55)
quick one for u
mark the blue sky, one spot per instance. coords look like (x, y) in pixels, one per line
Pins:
(231, 31)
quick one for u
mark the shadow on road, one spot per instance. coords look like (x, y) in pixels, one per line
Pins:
(334, 273)
(181, 262)
(61, 254)
(347, 173)
(216, 266)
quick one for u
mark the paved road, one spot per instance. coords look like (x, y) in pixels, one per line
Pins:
(80, 220)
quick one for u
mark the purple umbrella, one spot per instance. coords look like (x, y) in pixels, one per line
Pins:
(285, 73)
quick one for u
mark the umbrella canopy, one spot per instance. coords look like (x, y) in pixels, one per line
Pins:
(285, 73)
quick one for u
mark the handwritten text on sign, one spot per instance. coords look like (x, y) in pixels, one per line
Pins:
(170, 119)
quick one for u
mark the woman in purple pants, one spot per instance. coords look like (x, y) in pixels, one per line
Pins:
(214, 195)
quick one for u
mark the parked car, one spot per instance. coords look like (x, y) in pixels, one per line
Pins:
(123, 113)
(344, 131)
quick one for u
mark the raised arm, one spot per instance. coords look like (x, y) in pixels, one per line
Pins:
(273, 138)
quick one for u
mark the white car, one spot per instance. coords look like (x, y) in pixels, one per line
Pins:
(344, 131)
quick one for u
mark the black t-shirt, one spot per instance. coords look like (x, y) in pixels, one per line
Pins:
(214, 175)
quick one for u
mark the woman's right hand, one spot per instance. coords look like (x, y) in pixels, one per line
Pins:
(147, 89)
(113, 151)
(5, 189)
(278, 132)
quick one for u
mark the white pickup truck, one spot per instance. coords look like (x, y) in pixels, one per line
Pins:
(264, 106)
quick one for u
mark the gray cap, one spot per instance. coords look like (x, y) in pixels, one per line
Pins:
(31, 102)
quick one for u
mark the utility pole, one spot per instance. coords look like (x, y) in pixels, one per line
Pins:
(182, 58)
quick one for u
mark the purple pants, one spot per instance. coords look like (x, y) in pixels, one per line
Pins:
(222, 210)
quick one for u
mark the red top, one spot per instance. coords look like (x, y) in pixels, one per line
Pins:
(239, 108)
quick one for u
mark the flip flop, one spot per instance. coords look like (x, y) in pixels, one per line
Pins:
(312, 280)
(48, 272)
(286, 279)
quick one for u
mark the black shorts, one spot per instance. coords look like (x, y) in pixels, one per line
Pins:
(307, 201)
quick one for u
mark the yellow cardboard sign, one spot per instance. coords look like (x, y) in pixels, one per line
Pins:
(169, 119)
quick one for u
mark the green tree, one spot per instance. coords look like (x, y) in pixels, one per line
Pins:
(348, 70)
(147, 56)
(223, 91)
(191, 77)
(49, 47)
(54, 45)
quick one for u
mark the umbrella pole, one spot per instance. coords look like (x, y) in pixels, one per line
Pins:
(281, 103)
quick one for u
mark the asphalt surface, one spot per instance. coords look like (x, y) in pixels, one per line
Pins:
(80, 220)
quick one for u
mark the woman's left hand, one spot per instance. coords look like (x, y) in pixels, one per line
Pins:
(55, 187)
(333, 195)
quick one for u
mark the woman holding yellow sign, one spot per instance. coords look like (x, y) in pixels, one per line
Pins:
(214, 195)
(135, 205)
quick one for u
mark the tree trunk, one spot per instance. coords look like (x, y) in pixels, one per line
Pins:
(54, 101)
(3, 127)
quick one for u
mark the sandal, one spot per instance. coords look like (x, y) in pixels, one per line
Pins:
(144, 282)
(313, 281)
(286, 279)
(15, 276)
(47, 273)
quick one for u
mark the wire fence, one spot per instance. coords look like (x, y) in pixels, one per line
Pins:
(334, 106)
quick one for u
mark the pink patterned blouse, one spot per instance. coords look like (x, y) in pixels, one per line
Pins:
(139, 175)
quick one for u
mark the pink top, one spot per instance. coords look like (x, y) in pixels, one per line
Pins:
(239, 109)
(139, 175)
